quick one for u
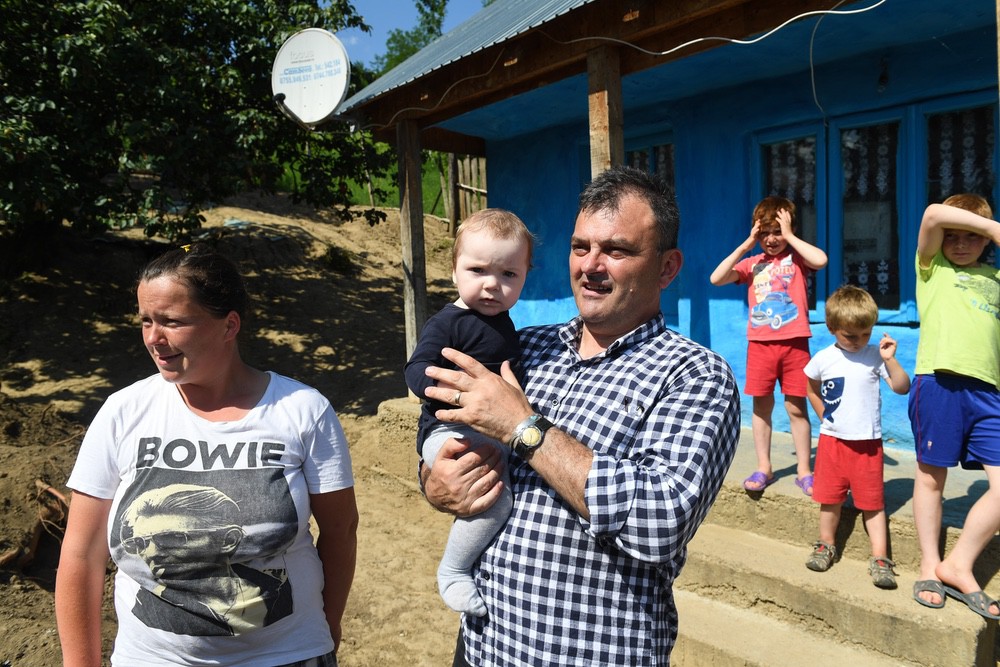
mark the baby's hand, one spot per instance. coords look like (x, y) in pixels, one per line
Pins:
(887, 347)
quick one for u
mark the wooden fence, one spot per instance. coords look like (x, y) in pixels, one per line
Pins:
(466, 188)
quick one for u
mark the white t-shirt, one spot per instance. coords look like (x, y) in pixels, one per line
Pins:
(209, 524)
(849, 387)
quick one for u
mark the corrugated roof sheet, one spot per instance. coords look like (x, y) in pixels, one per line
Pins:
(496, 23)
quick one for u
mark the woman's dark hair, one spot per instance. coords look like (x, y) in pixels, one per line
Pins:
(214, 281)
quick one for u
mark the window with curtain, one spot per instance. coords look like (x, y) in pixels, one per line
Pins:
(658, 159)
(871, 216)
(790, 172)
(961, 154)
(849, 185)
(961, 148)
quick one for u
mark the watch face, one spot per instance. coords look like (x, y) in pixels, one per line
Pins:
(531, 436)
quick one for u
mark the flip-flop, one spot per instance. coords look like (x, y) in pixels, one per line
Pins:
(760, 482)
(806, 484)
(977, 601)
(929, 586)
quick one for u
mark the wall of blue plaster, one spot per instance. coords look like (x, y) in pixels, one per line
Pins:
(539, 176)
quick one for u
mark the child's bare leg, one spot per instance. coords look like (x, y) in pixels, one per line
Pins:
(829, 519)
(877, 526)
(761, 426)
(798, 420)
(981, 524)
(928, 487)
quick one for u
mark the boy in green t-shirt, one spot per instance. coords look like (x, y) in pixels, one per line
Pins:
(954, 404)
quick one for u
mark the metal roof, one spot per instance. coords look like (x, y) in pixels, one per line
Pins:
(495, 23)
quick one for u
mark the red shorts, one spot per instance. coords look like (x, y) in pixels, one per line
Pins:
(849, 464)
(781, 361)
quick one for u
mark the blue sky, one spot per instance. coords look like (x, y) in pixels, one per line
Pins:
(386, 15)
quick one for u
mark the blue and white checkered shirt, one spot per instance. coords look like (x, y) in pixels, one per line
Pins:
(662, 415)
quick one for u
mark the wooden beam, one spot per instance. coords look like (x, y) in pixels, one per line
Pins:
(439, 139)
(453, 210)
(411, 231)
(604, 98)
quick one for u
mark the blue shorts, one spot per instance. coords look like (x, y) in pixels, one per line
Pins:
(955, 420)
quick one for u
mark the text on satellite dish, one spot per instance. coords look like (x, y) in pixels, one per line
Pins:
(329, 69)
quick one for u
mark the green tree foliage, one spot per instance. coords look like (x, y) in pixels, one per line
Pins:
(119, 111)
(401, 44)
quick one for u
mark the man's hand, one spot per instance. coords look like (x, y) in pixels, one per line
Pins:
(492, 404)
(463, 481)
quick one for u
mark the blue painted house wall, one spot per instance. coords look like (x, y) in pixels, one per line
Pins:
(714, 134)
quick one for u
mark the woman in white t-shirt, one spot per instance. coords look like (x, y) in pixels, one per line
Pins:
(199, 482)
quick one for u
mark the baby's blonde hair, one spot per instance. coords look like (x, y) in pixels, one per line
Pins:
(500, 224)
(850, 307)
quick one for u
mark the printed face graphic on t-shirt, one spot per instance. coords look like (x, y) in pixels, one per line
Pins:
(197, 542)
(831, 391)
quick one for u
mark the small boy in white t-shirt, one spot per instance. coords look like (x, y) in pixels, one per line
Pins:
(844, 391)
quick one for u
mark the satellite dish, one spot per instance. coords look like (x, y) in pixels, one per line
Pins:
(310, 76)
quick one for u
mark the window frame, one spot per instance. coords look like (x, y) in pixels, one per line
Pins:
(911, 185)
(757, 180)
(670, 298)
(907, 233)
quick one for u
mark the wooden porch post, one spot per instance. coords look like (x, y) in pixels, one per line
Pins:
(411, 231)
(455, 205)
(604, 88)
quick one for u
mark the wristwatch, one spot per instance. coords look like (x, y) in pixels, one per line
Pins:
(529, 434)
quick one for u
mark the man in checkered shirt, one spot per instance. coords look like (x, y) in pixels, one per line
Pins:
(645, 426)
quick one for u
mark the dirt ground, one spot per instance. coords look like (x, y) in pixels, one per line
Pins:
(329, 312)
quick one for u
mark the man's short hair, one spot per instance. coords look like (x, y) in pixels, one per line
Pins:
(606, 192)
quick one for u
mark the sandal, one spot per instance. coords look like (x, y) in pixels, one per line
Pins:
(758, 481)
(806, 484)
(881, 572)
(928, 586)
(977, 601)
(822, 557)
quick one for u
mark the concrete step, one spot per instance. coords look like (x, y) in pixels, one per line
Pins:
(784, 513)
(764, 582)
(794, 518)
(716, 634)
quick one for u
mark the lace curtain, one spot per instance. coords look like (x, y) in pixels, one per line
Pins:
(960, 154)
(663, 161)
(961, 148)
(871, 224)
(790, 172)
